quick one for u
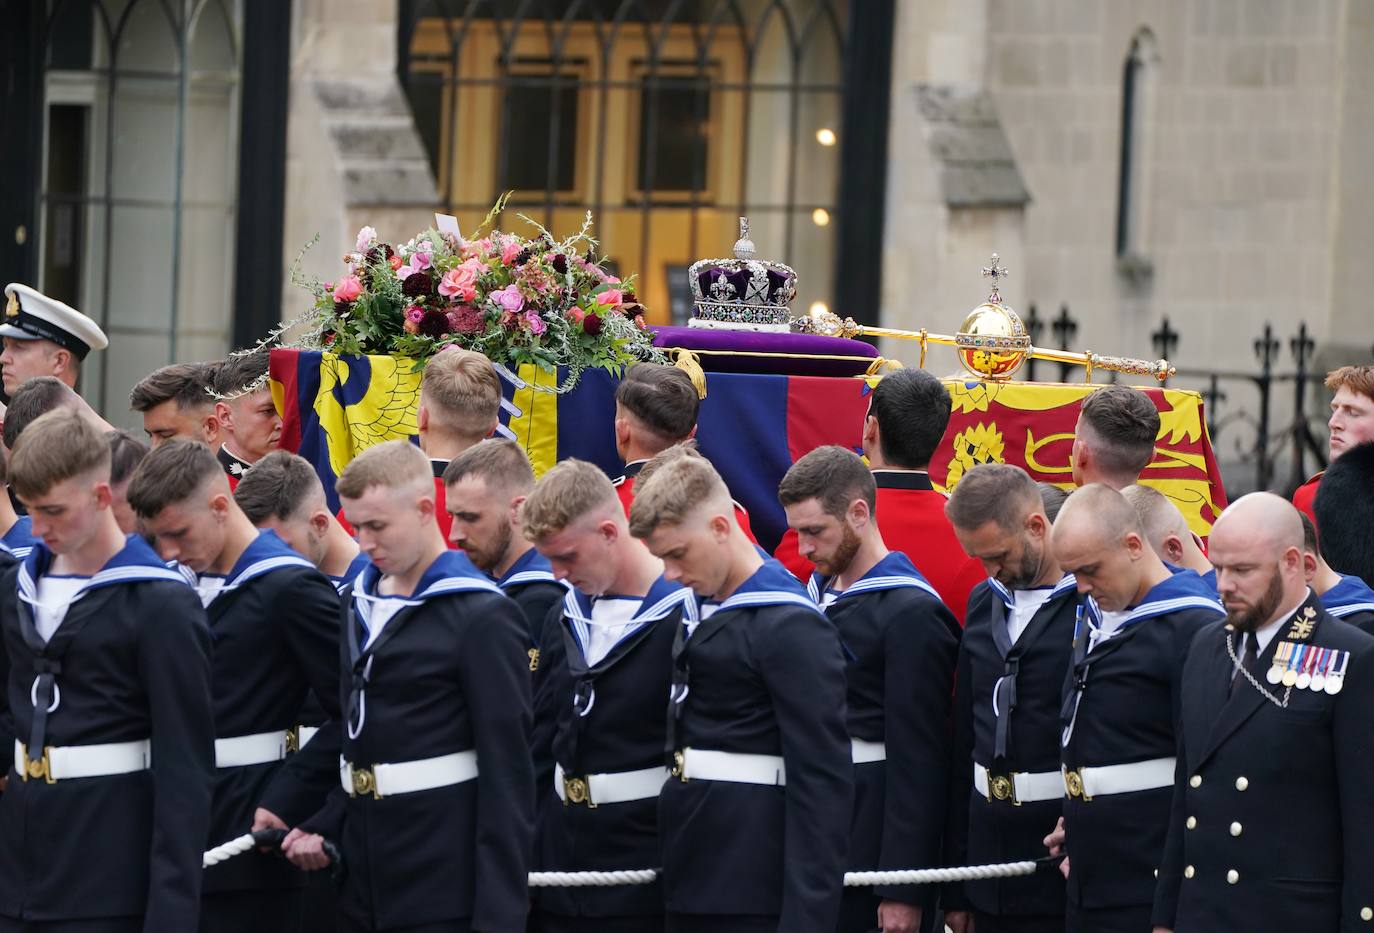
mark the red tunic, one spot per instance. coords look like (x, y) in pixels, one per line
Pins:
(911, 516)
(1304, 495)
(625, 489)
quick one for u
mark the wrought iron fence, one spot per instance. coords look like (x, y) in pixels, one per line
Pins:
(1266, 425)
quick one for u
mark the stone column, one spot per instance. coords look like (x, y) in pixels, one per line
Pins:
(353, 154)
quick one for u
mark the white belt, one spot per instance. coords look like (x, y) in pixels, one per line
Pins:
(616, 787)
(305, 734)
(699, 764)
(258, 749)
(1088, 783)
(408, 777)
(1018, 787)
(81, 761)
(863, 751)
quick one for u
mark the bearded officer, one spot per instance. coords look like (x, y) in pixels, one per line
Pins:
(1269, 831)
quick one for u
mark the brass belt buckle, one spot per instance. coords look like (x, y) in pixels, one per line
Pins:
(577, 790)
(293, 740)
(679, 767)
(36, 768)
(1073, 783)
(1002, 787)
(364, 782)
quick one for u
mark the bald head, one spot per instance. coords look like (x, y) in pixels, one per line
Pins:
(1166, 529)
(1260, 518)
(1098, 538)
(1100, 513)
(1257, 549)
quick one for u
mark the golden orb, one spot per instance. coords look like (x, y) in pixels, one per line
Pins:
(992, 342)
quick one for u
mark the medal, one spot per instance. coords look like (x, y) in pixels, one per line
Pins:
(1304, 665)
(1290, 677)
(1336, 679)
(1319, 670)
(1280, 662)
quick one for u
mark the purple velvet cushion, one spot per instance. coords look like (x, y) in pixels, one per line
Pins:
(803, 345)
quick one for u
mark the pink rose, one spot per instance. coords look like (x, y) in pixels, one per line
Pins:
(610, 298)
(415, 314)
(535, 323)
(575, 314)
(348, 288)
(420, 260)
(612, 280)
(459, 282)
(510, 251)
(508, 298)
(365, 237)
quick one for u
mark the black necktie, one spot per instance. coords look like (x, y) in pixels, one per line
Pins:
(1247, 659)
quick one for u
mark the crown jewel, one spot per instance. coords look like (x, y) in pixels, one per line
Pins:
(743, 293)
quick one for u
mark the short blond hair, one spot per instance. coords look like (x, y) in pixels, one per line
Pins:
(56, 447)
(569, 491)
(1158, 516)
(675, 487)
(392, 465)
(462, 391)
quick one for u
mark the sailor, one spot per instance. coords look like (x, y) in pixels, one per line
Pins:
(485, 486)
(902, 645)
(1344, 596)
(283, 494)
(107, 656)
(1269, 830)
(176, 401)
(275, 620)
(609, 654)
(437, 683)
(249, 426)
(755, 821)
(908, 412)
(1120, 708)
(1114, 438)
(1168, 533)
(656, 408)
(44, 337)
(1006, 787)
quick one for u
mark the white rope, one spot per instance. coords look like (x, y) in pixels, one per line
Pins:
(587, 879)
(228, 850)
(852, 879)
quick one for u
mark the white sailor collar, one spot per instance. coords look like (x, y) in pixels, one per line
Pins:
(1066, 582)
(895, 571)
(451, 572)
(1184, 589)
(135, 562)
(771, 585)
(529, 567)
(1347, 597)
(663, 599)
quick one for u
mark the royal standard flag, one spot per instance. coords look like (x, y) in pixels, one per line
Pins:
(752, 427)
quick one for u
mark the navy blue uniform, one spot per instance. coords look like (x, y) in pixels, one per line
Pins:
(1007, 704)
(447, 675)
(762, 676)
(129, 662)
(275, 625)
(1270, 826)
(1351, 600)
(608, 720)
(531, 583)
(902, 645)
(1121, 707)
